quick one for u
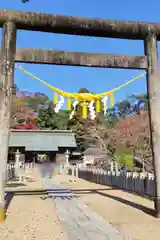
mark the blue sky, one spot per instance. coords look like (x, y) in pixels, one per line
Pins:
(73, 78)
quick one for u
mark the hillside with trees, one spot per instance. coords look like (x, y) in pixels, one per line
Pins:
(124, 130)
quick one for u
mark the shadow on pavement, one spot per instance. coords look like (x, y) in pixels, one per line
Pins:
(142, 208)
(14, 184)
(8, 199)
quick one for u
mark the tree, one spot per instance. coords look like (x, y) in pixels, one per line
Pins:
(48, 119)
(19, 112)
(22, 109)
(61, 120)
(142, 102)
(29, 125)
(124, 108)
(132, 105)
(132, 132)
(45, 119)
(124, 157)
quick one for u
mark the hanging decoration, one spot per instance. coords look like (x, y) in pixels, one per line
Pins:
(75, 103)
(59, 104)
(92, 110)
(104, 100)
(88, 101)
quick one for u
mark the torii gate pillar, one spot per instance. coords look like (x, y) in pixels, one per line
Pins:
(153, 86)
(6, 83)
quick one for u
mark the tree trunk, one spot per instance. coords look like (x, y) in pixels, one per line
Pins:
(6, 83)
(153, 86)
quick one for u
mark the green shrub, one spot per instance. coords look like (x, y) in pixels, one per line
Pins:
(124, 157)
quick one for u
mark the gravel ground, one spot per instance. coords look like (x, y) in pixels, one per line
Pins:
(30, 217)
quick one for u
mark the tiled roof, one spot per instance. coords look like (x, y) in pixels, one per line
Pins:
(42, 140)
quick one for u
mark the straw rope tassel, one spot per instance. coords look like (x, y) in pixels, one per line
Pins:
(98, 106)
(55, 99)
(84, 110)
(112, 100)
(69, 104)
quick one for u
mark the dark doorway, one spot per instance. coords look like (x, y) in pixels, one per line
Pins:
(32, 156)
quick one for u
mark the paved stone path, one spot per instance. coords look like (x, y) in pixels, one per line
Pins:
(79, 221)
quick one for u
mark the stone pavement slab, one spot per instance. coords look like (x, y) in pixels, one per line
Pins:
(79, 221)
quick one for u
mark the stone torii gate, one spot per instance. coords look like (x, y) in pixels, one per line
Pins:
(10, 21)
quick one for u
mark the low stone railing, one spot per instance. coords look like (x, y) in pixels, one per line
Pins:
(10, 173)
(140, 183)
(11, 170)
